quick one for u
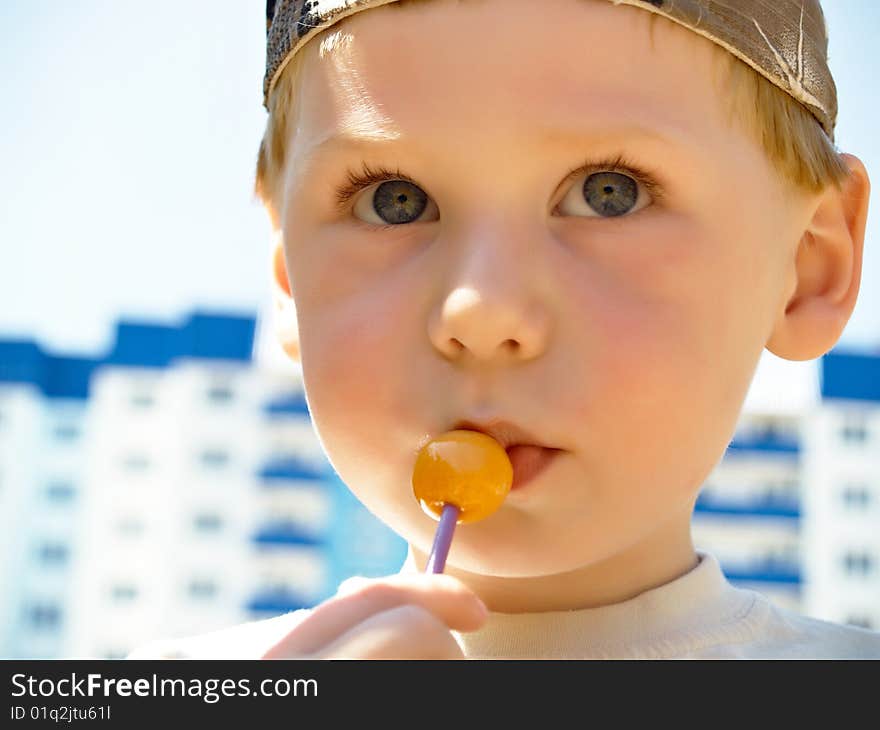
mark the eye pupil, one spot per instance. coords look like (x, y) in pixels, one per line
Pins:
(401, 198)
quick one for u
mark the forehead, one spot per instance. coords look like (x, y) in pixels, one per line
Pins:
(508, 70)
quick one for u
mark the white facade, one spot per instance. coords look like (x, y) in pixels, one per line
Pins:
(21, 417)
(842, 512)
(749, 511)
(174, 505)
(41, 467)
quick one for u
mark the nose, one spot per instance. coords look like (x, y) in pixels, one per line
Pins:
(493, 307)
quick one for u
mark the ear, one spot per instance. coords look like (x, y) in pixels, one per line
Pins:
(286, 329)
(827, 270)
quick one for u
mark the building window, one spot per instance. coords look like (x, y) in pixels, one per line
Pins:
(858, 563)
(53, 553)
(123, 592)
(856, 496)
(142, 400)
(43, 616)
(768, 431)
(855, 429)
(220, 394)
(60, 492)
(782, 556)
(129, 527)
(66, 432)
(774, 493)
(136, 462)
(270, 584)
(860, 620)
(202, 588)
(208, 522)
(214, 458)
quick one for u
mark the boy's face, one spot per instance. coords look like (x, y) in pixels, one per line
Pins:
(636, 335)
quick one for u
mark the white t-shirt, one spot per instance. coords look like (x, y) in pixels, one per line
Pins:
(698, 615)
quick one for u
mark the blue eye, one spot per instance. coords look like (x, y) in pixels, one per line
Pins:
(396, 200)
(611, 193)
(612, 188)
(399, 201)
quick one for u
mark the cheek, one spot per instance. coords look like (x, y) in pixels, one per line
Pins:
(664, 360)
(350, 353)
(353, 328)
(357, 357)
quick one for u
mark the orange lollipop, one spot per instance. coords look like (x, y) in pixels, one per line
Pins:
(460, 476)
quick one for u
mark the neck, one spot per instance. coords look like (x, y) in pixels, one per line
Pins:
(660, 558)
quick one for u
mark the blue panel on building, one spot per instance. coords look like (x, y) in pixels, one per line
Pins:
(740, 446)
(284, 535)
(207, 336)
(277, 603)
(291, 467)
(754, 508)
(22, 361)
(69, 377)
(228, 337)
(295, 403)
(850, 375)
(788, 576)
(147, 345)
(137, 344)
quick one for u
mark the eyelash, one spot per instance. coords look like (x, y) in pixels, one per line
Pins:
(357, 181)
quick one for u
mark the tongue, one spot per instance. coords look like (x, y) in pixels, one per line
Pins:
(525, 460)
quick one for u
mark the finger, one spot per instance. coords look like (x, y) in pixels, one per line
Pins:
(446, 597)
(404, 632)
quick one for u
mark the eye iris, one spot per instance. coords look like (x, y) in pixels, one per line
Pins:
(611, 193)
(398, 201)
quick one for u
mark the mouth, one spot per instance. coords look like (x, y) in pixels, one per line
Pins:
(528, 455)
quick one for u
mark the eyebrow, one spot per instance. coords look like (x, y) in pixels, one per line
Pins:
(669, 135)
(337, 143)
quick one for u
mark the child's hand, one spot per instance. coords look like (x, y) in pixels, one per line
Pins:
(406, 616)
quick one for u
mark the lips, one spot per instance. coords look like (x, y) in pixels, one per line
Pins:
(528, 455)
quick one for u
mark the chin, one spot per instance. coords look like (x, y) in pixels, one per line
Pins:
(514, 560)
(513, 568)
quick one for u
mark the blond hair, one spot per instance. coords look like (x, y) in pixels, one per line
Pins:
(791, 137)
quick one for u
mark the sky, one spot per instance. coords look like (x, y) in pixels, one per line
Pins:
(127, 150)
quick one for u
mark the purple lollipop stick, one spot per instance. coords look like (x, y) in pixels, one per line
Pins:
(442, 539)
